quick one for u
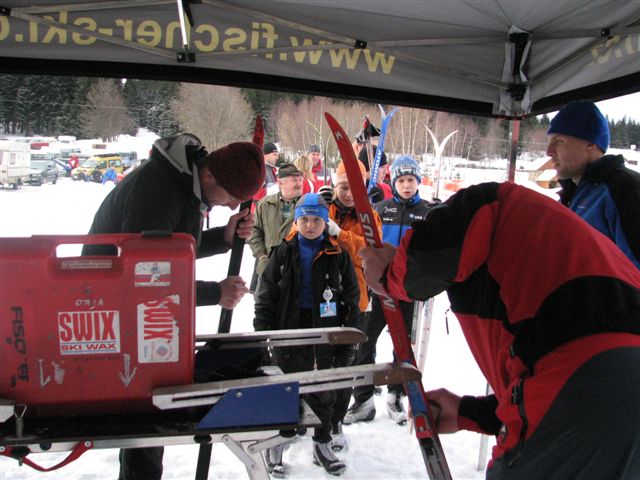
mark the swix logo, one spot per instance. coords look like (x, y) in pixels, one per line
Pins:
(158, 330)
(89, 332)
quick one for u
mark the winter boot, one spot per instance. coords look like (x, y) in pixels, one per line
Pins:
(324, 456)
(338, 442)
(274, 461)
(361, 412)
(395, 408)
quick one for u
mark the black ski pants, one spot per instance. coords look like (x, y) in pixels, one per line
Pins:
(141, 463)
(373, 325)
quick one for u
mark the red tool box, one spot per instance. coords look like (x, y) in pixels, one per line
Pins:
(95, 334)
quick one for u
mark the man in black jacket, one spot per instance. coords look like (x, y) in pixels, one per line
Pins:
(174, 191)
(598, 187)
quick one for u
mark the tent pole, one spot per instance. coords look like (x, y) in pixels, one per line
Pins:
(514, 134)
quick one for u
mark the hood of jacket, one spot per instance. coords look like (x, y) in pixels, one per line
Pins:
(174, 150)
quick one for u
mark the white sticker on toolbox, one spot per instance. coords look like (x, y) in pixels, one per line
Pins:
(153, 274)
(83, 264)
(158, 331)
(89, 333)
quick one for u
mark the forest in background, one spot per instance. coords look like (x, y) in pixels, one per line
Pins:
(106, 108)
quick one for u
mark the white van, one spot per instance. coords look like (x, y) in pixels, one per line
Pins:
(15, 163)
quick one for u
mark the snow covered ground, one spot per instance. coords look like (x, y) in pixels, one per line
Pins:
(377, 450)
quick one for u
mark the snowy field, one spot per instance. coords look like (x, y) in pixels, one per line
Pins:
(377, 450)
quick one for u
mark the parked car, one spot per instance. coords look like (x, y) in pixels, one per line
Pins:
(64, 170)
(129, 159)
(43, 171)
(94, 167)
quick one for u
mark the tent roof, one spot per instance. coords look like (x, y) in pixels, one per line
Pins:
(498, 58)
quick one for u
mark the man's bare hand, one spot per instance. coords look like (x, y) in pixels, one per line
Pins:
(241, 223)
(232, 289)
(446, 412)
(375, 262)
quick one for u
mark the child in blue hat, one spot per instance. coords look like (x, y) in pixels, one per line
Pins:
(309, 282)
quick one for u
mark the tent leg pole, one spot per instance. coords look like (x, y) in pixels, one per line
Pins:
(514, 134)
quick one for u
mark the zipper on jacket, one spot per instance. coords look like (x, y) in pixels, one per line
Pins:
(517, 398)
(404, 210)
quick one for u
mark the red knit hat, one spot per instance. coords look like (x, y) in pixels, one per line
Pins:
(238, 168)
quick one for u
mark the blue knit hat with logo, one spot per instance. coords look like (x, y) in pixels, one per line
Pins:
(404, 165)
(582, 120)
(312, 204)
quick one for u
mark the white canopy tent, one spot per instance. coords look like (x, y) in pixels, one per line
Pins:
(501, 58)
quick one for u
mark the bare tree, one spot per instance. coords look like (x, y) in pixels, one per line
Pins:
(106, 114)
(300, 125)
(535, 140)
(217, 115)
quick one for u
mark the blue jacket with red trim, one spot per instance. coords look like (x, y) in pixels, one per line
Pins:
(537, 292)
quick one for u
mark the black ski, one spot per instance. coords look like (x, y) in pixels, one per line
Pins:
(237, 249)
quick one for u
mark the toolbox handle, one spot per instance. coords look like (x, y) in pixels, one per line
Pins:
(75, 453)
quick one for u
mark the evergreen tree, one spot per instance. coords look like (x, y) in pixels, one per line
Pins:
(263, 101)
(8, 91)
(149, 105)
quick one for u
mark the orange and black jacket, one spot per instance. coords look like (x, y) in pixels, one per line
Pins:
(352, 240)
(537, 291)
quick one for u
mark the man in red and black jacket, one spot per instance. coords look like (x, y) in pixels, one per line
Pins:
(551, 311)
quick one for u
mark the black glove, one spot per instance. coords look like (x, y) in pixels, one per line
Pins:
(376, 194)
(326, 192)
(344, 356)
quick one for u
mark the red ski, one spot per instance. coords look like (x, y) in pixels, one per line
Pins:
(432, 451)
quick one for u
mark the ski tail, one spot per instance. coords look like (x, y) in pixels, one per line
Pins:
(258, 131)
(435, 461)
(386, 120)
(237, 248)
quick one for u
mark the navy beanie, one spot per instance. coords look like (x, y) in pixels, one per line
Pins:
(582, 120)
(312, 204)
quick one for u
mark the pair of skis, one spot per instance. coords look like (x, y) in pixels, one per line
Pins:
(427, 435)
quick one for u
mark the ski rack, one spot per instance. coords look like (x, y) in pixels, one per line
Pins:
(426, 432)
(282, 338)
(210, 393)
(79, 434)
(247, 415)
